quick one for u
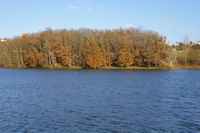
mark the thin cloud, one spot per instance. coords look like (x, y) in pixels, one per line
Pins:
(171, 23)
(128, 26)
(178, 27)
(73, 8)
(101, 8)
(49, 17)
(88, 8)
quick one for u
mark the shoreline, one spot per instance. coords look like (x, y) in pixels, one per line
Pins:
(110, 68)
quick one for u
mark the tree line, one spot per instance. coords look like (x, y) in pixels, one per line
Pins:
(85, 48)
(188, 54)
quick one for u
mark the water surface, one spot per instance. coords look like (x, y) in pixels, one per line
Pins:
(99, 101)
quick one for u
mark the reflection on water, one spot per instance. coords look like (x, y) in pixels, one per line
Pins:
(99, 101)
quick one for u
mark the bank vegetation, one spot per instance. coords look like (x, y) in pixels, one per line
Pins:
(86, 48)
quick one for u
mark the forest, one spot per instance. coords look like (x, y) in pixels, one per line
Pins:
(86, 48)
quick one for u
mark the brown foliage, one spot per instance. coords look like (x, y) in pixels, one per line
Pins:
(125, 58)
(96, 58)
(85, 48)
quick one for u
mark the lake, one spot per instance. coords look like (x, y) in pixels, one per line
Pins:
(99, 101)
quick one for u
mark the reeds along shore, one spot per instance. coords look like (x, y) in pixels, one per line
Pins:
(85, 48)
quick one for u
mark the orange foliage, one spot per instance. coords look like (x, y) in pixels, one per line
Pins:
(85, 48)
(96, 59)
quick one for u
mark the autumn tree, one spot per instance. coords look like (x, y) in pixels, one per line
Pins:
(86, 48)
(125, 58)
(96, 58)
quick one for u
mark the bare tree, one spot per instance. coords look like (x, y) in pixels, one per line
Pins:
(186, 39)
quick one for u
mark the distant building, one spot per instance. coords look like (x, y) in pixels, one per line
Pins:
(177, 43)
(198, 43)
(169, 43)
(3, 40)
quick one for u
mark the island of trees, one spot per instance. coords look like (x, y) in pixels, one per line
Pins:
(86, 48)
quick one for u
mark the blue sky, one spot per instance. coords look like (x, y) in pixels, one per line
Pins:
(171, 18)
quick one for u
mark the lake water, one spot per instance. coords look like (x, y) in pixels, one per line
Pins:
(99, 101)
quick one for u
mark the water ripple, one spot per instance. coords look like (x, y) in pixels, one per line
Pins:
(99, 101)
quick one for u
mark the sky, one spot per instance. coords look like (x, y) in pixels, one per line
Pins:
(171, 18)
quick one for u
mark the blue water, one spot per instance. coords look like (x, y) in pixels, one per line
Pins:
(99, 101)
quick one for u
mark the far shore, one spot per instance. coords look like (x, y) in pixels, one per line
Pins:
(110, 68)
